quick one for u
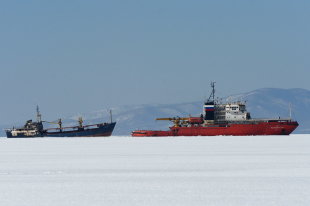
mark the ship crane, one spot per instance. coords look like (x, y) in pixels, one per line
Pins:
(59, 123)
(177, 121)
(80, 122)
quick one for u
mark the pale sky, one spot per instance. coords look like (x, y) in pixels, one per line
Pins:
(79, 56)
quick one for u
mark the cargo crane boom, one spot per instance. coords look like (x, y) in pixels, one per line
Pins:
(173, 118)
(177, 121)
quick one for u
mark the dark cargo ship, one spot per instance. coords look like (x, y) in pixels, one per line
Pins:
(36, 129)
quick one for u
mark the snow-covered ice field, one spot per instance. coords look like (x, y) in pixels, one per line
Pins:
(255, 170)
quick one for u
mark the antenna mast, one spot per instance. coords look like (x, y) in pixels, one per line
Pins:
(212, 95)
(110, 111)
(290, 108)
(39, 116)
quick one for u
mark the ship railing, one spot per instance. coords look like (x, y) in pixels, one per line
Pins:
(253, 121)
(271, 119)
(16, 129)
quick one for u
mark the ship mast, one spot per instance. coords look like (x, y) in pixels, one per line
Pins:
(290, 110)
(39, 116)
(110, 115)
(80, 122)
(212, 95)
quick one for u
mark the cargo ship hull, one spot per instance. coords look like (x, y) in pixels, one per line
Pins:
(247, 129)
(102, 130)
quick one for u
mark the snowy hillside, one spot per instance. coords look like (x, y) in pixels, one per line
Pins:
(218, 171)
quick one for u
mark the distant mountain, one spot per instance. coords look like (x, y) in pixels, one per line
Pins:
(261, 103)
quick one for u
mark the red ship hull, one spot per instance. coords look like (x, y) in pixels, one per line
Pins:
(229, 129)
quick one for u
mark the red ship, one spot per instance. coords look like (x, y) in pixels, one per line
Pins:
(222, 119)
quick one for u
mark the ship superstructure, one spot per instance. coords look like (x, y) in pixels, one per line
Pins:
(229, 118)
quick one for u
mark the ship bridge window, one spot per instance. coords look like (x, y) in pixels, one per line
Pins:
(242, 108)
(234, 108)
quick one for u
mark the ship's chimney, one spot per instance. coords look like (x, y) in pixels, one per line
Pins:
(209, 110)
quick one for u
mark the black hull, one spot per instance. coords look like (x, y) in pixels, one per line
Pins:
(102, 131)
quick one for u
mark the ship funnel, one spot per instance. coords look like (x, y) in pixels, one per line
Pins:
(209, 108)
